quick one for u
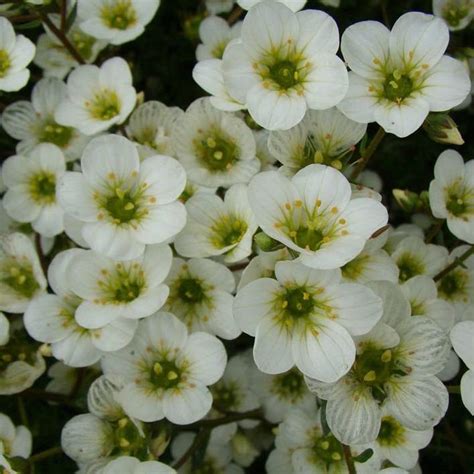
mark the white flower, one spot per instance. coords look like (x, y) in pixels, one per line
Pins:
(294, 5)
(285, 64)
(55, 59)
(323, 137)
(314, 214)
(414, 257)
(14, 440)
(422, 296)
(306, 318)
(50, 318)
(301, 447)
(151, 125)
(209, 74)
(457, 13)
(216, 148)
(457, 286)
(397, 234)
(95, 438)
(215, 34)
(214, 7)
(217, 457)
(31, 195)
(21, 276)
(97, 98)
(462, 337)
(114, 295)
(200, 295)
(21, 362)
(452, 194)
(394, 370)
(373, 263)
(399, 444)
(234, 392)
(131, 465)
(217, 227)
(33, 122)
(16, 52)
(63, 378)
(279, 394)
(262, 266)
(123, 203)
(399, 76)
(116, 21)
(166, 371)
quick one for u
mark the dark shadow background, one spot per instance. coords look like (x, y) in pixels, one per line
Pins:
(162, 60)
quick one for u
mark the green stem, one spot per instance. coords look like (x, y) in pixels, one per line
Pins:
(229, 418)
(457, 261)
(198, 441)
(434, 231)
(45, 454)
(370, 150)
(349, 460)
(454, 389)
(61, 37)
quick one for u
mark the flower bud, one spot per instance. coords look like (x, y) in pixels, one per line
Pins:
(441, 128)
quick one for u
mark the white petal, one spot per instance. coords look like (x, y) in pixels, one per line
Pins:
(325, 355)
(187, 405)
(272, 350)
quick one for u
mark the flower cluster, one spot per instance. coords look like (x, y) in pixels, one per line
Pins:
(227, 288)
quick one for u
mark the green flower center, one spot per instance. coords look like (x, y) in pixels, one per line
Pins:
(119, 14)
(459, 200)
(354, 269)
(409, 267)
(128, 441)
(217, 152)
(417, 308)
(374, 367)
(218, 50)
(105, 105)
(126, 284)
(309, 228)
(289, 385)
(18, 348)
(228, 230)
(454, 13)
(226, 396)
(208, 466)
(83, 43)
(397, 86)
(123, 204)
(19, 277)
(327, 449)
(57, 134)
(454, 285)
(4, 62)
(284, 73)
(42, 187)
(191, 291)
(165, 374)
(300, 302)
(308, 238)
(391, 432)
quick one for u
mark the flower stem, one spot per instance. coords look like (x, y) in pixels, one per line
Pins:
(349, 460)
(454, 389)
(370, 150)
(198, 441)
(45, 454)
(434, 230)
(229, 418)
(61, 37)
(235, 15)
(457, 261)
